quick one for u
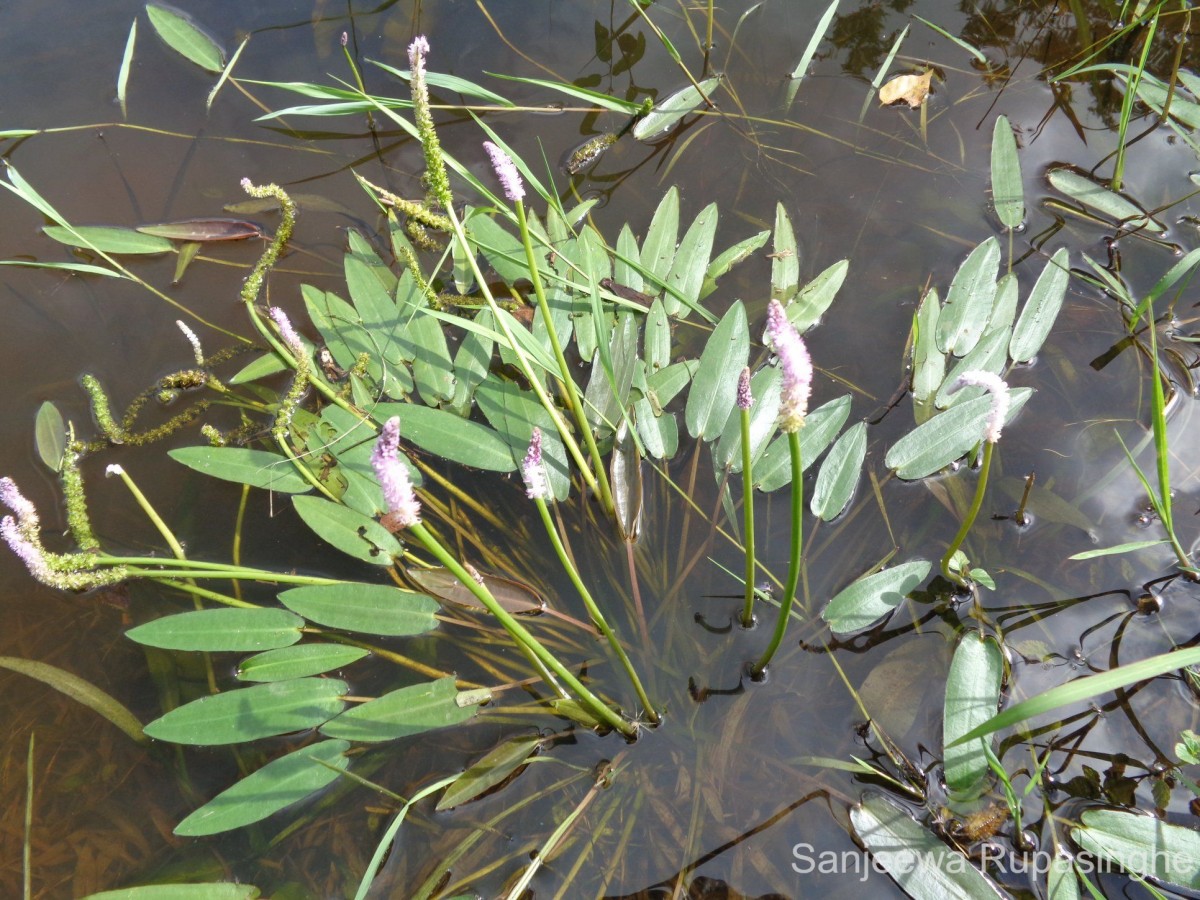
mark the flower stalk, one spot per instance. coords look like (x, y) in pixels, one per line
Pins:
(744, 401)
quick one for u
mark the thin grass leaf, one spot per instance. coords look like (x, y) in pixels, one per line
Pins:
(225, 73)
(123, 72)
(78, 690)
(182, 34)
(449, 83)
(810, 51)
(212, 890)
(593, 97)
(1116, 549)
(78, 268)
(1085, 689)
(974, 51)
(666, 113)
(1008, 195)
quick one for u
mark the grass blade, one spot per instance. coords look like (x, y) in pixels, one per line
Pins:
(126, 63)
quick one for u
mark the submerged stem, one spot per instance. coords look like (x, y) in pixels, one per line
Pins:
(789, 590)
(976, 503)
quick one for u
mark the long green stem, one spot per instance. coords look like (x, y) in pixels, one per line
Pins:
(594, 611)
(976, 503)
(599, 710)
(568, 382)
(789, 590)
(748, 519)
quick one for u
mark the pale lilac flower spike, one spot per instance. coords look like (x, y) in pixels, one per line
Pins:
(998, 388)
(536, 487)
(744, 398)
(28, 552)
(417, 52)
(11, 496)
(782, 337)
(506, 171)
(403, 509)
(287, 332)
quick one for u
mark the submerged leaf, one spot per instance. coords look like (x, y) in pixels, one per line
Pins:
(516, 598)
(77, 689)
(493, 769)
(204, 230)
(50, 435)
(211, 890)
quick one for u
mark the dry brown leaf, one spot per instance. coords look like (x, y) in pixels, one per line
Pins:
(912, 89)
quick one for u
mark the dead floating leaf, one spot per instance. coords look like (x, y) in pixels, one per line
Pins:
(204, 230)
(912, 89)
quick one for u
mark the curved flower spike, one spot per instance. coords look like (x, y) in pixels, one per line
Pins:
(998, 388)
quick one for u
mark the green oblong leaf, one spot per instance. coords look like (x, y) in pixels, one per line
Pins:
(79, 690)
(181, 33)
(452, 437)
(666, 113)
(839, 473)
(349, 530)
(686, 277)
(1143, 845)
(298, 661)
(764, 388)
(869, 599)
(923, 867)
(278, 784)
(50, 435)
(212, 890)
(970, 299)
(1096, 196)
(247, 714)
(221, 629)
(785, 261)
(495, 766)
(928, 362)
(108, 239)
(257, 468)
(816, 296)
(409, 710)
(935, 444)
(1085, 688)
(365, 608)
(972, 696)
(658, 247)
(821, 426)
(727, 259)
(1041, 309)
(1008, 194)
(714, 388)
(989, 355)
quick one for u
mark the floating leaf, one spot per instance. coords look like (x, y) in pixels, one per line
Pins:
(493, 769)
(1104, 201)
(658, 248)
(204, 230)
(349, 530)
(50, 435)
(625, 474)
(764, 388)
(816, 296)
(869, 599)
(729, 258)
(181, 33)
(989, 355)
(666, 113)
(453, 437)
(714, 389)
(1041, 309)
(247, 714)
(935, 444)
(108, 239)
(79, 690)
(686, 277)
(1008, 195)
(365, 608)
(821, 426)
(785, 258)
(1143, 845)
(897, 687)
(278, 784)
(970, 299)
(910, 89)
(515, 597)
(1061, 882)
(972, 696)
(1086, 688)
(257, 468)
(923, 867)
(298, 661)
(221, 629)
(839, 473)
(213, 890)
(929, 363)
(409, 710)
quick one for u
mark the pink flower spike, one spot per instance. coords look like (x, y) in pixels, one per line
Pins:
(12, 497)
(744, 398)
(287, 332)
(506, 171)
(403, 509)
(345, 39)
(247, 185)
(417, 51)
(536, 487)
(796, 364)
(998, 388)
(29, 553)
